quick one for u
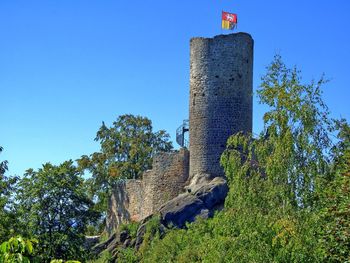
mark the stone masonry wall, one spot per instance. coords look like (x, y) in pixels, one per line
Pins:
(166, 180)
(122, 206)
(134, 200)
(221, 79)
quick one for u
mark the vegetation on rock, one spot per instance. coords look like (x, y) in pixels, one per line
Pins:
(288, 199)
(289, 193)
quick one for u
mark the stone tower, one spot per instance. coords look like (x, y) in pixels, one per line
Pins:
(221, 80)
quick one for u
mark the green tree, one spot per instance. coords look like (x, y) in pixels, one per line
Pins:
(56, 209)
(297, 126)
(127, 149)
(18, 250)
(273, 178)
(3, 165)
(335, 198)
(8, 217)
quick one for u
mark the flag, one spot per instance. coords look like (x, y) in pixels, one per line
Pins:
(228, 20)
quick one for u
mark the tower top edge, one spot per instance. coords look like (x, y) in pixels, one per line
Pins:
(223, 36)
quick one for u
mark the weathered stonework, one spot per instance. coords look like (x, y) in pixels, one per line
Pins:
(124, 204)
(166, 180)
(221, 79)
(134, 200)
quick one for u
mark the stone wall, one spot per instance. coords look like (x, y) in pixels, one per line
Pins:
(221, 79)
(123, 206)
(166, 180)
(134, 200)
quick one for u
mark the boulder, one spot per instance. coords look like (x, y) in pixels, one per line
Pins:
(111, 243)
(202, 199)
(183, 208)
(139, 236)
(98, 248)
(141, 231)
(212, 193)
(124, 235)
(126, 243)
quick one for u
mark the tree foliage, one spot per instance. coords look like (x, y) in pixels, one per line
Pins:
(7, 214)
(18, 250)
(335, 201)
(297, 126)
(21, 250)
(55, 208)
(3, 165)
(127, 150)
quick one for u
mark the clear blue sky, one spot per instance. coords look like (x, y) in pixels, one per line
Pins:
(66, 66)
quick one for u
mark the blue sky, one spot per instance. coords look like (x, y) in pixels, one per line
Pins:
(66, 66)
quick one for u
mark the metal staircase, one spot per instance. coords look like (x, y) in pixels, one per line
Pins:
(180, 134)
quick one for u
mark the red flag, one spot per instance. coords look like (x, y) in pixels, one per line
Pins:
(229, 17)
(228, 21)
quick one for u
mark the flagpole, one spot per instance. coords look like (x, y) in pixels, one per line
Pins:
(222, 31)
(221, 22)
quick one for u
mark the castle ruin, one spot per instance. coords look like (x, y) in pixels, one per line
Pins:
(184, 183)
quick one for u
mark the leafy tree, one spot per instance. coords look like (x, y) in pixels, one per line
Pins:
(273, 178)
(127, 149)
(56, 209)
(21, 250)
(18, 250)
(7, 214)
(335, 197)
(297, 126)
(3, 165)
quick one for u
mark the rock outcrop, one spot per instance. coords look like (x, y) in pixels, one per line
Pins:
(201, 200)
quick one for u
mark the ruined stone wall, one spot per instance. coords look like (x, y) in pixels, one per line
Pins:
(221, 79)
(123, 206)
(166, 180)
(134, 200)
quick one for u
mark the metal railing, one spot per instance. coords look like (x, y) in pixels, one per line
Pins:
(180, 134)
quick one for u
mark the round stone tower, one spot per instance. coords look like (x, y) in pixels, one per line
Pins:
(221, 80)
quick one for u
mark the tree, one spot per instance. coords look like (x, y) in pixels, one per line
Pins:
(273, 178)
(335, 200)
(127, 150)
(297, 126)
(55, 209)
(18, 250)
(291, 151)
(7, 214)
(3, 165)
